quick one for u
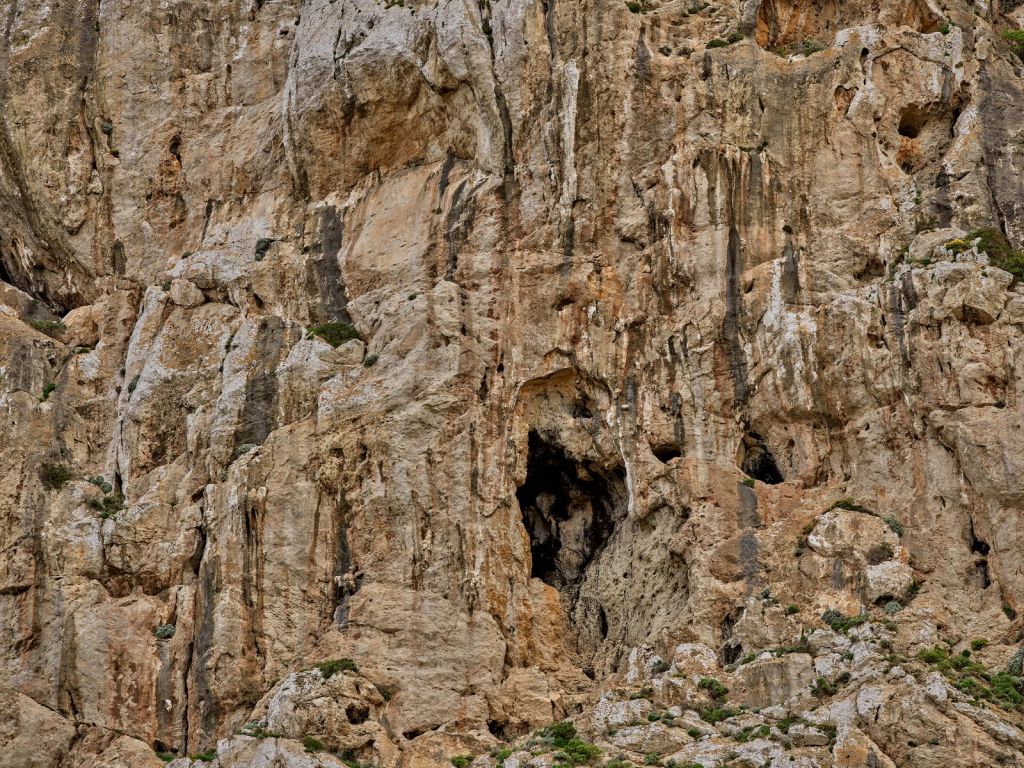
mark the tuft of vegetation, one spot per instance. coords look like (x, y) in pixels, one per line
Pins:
(804, 48)
(695, 733)
(893, 607)
(1003, 689)
(945, 28)
(311, 744)
(47, 391)
(462, 761)
(635, 7)
(792, 609)
(894, 525)
(257, 730)
(262, 246)
(335, 333)
(978, 643)
(369, 360)
(660, 667)
(714, 715)
(1015, 666)
(52, 328)
(102, 484)
(841, 623)
(717, 43)
(880, 553)
(133, 383)
(748, 481)
(166, 756)
(1015, 37)
(54, 475)
(993, 242)
(109, 505)
(205, 757)
(164, 632)
(107, 127)
(850, 505)
(712, 686)
(329, 669)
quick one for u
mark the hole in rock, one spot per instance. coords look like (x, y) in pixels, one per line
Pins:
(665, 452)
(357, 713)
(758, 461)
(912, 121)
(570, 509)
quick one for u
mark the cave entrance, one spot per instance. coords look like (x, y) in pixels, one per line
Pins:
(570, 509)
(758, 461)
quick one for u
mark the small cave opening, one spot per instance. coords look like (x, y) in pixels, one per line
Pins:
(912, 121)
(758, 462)
(570, 509)
(665, 452)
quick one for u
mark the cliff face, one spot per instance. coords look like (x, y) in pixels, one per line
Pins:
(640, 293)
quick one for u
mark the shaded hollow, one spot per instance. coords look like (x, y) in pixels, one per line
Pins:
(758, 461)
(570, 509)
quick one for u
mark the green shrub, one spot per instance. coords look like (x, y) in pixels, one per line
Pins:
(256, 730)
(893, 607)
(311, 744)
(791, 609)
(579, 752)
(993, 242)
(54, 475)
(47, 391)
(635, 7)
(52, 328)
(748, 481)
(823, 687)
(660, 666)
(712, 686)
(335, 333)
(717, 43)
(107, 127)
(164, 632)
(133, 383)
(894, 525)
(695, 733)
(502, 755)
(652, 759)
(262, 246)
(102, 484)
(714, 715)
(109, 505)
(166, 756)
(462, 761)
(1015, 37)
(841, 623)
(978, 643)
(205, 757)
(945, 28)
(329, 669)
(369, 360)
(1015, 666)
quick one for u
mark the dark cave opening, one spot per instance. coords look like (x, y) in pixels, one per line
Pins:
(570, 510)
(758, 461)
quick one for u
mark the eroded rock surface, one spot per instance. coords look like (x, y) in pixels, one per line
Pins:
(544, 359)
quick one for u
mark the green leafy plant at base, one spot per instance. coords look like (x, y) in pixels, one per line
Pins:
(841, 623)
(164, 632)
(311, 744)
(712, 686)
(47, 391)
(205, 757)
(462, 761)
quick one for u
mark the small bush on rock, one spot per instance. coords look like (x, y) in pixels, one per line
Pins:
(330, 668)
(335, 334)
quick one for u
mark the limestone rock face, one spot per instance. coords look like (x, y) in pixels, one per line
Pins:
(523, 359)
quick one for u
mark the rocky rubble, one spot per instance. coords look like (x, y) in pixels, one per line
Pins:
(385, 381)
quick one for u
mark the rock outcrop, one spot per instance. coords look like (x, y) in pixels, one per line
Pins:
(385, 380)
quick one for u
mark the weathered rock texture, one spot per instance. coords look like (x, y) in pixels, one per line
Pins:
(641, 290)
